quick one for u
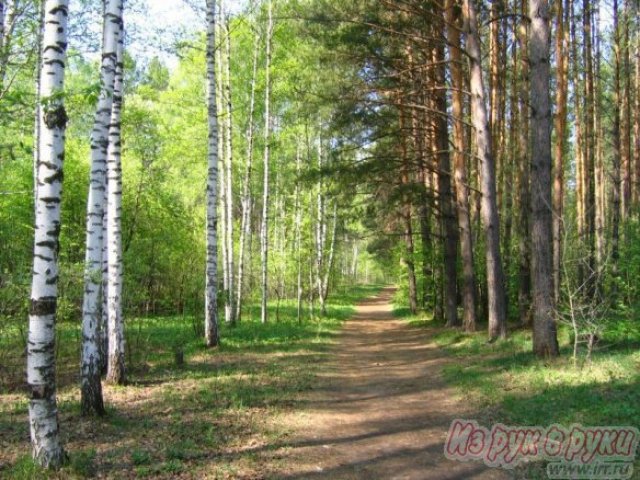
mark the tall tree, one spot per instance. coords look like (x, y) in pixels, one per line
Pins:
(562, 73)
(116, 372)
(212, 335)
(91, 387)
(246, 182)
(41, 369)
(453, 17)
(618, 156)
(636, 116)
(228, 234)
(264, 228)
(545, 343)
(447, 210)
(495, 276)
(524, 184)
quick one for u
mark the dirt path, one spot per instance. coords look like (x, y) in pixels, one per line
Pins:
(381, 409)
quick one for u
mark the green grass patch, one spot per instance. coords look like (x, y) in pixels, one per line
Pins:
(506, 383)
(199, 416)
(523, 390)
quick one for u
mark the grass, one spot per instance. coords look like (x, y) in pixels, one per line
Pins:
(505, 383)
(214, 415)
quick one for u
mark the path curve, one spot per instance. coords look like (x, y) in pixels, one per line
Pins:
(381, 409)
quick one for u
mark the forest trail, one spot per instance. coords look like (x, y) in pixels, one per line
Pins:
(381, 409)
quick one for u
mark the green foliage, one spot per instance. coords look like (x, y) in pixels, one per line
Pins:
(518, 388)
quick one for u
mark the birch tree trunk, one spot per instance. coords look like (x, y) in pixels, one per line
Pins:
(91, 387)
(460, 168)
(545, 343)
(321, 231)
(211, 332)
(116, 373)
(41, 370)
(636, 115)
(324, 294)
(36, 128)
(222, 157)
(246, 188)
(228, 236)
(264, 228)
(489, 208)
(298, 242)
(2, 15)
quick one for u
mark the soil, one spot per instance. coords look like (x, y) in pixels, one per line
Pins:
(381, 409)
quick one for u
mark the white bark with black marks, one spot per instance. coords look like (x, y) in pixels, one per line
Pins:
(228, 234)
(264, 228)
(212, 337)
(246, 188)
(91, 388)
(116, 373)
(298, 241)
(41, 370)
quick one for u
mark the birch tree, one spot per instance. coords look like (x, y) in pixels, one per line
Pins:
(228, 234)
(246, 184)
(116, 365)
(212, 335)
(545, 343)
(2, 15)
(41, 370)
(264, 227)
(91, 388)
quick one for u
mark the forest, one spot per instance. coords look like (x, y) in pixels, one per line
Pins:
(269, 239)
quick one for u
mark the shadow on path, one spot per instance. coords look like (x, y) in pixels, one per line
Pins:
(380, 410)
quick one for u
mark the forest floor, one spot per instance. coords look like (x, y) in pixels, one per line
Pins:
(380, 410)
(371, 397)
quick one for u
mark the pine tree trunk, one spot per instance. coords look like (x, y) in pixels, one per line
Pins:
(264, 228)
(116, 373)
(580, 143)
(41, 370)
(588, 162)
(616, 159)
(599, 184)
(545, 343)
(406, 210)
(449, 220)
(495, 276)
(91, 366)
(212, 335)
(460, 168)
(625, 125)
(246, 184)
(560, 127)
(524, 186)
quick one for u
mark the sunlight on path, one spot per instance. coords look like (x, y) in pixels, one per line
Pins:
(381, 409)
